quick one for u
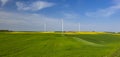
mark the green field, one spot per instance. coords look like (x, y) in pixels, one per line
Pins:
(57, 45)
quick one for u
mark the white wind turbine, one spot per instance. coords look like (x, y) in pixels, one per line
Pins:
(62, 25)
(45, 26)
(79, 27)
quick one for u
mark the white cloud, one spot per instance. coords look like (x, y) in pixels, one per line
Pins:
(35, 6)
(106, 12)
(3, 2)
(33, 22)
(70, 15)
(116, 1)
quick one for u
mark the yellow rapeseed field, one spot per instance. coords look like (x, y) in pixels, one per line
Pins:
(58, 33)
(84, 33)
(91, 33)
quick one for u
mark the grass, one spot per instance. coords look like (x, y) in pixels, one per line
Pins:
(36, 44)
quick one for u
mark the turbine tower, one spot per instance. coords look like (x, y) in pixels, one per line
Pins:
(62, 25)
(79, 27)
(45, 28)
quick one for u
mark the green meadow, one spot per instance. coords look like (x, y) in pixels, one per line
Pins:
(57, 45)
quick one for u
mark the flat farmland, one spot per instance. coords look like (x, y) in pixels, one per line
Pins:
(35, 44)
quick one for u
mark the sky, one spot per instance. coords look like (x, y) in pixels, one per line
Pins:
(31, 15)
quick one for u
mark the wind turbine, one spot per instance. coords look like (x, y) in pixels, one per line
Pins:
(62, 25)
(79, 27)
(45, 26)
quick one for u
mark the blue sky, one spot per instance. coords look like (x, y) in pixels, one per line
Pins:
(30, 15)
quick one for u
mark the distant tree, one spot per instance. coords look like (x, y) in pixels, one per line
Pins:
(93, 31)
(5, 31)
(118, 32)
(111, 32)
